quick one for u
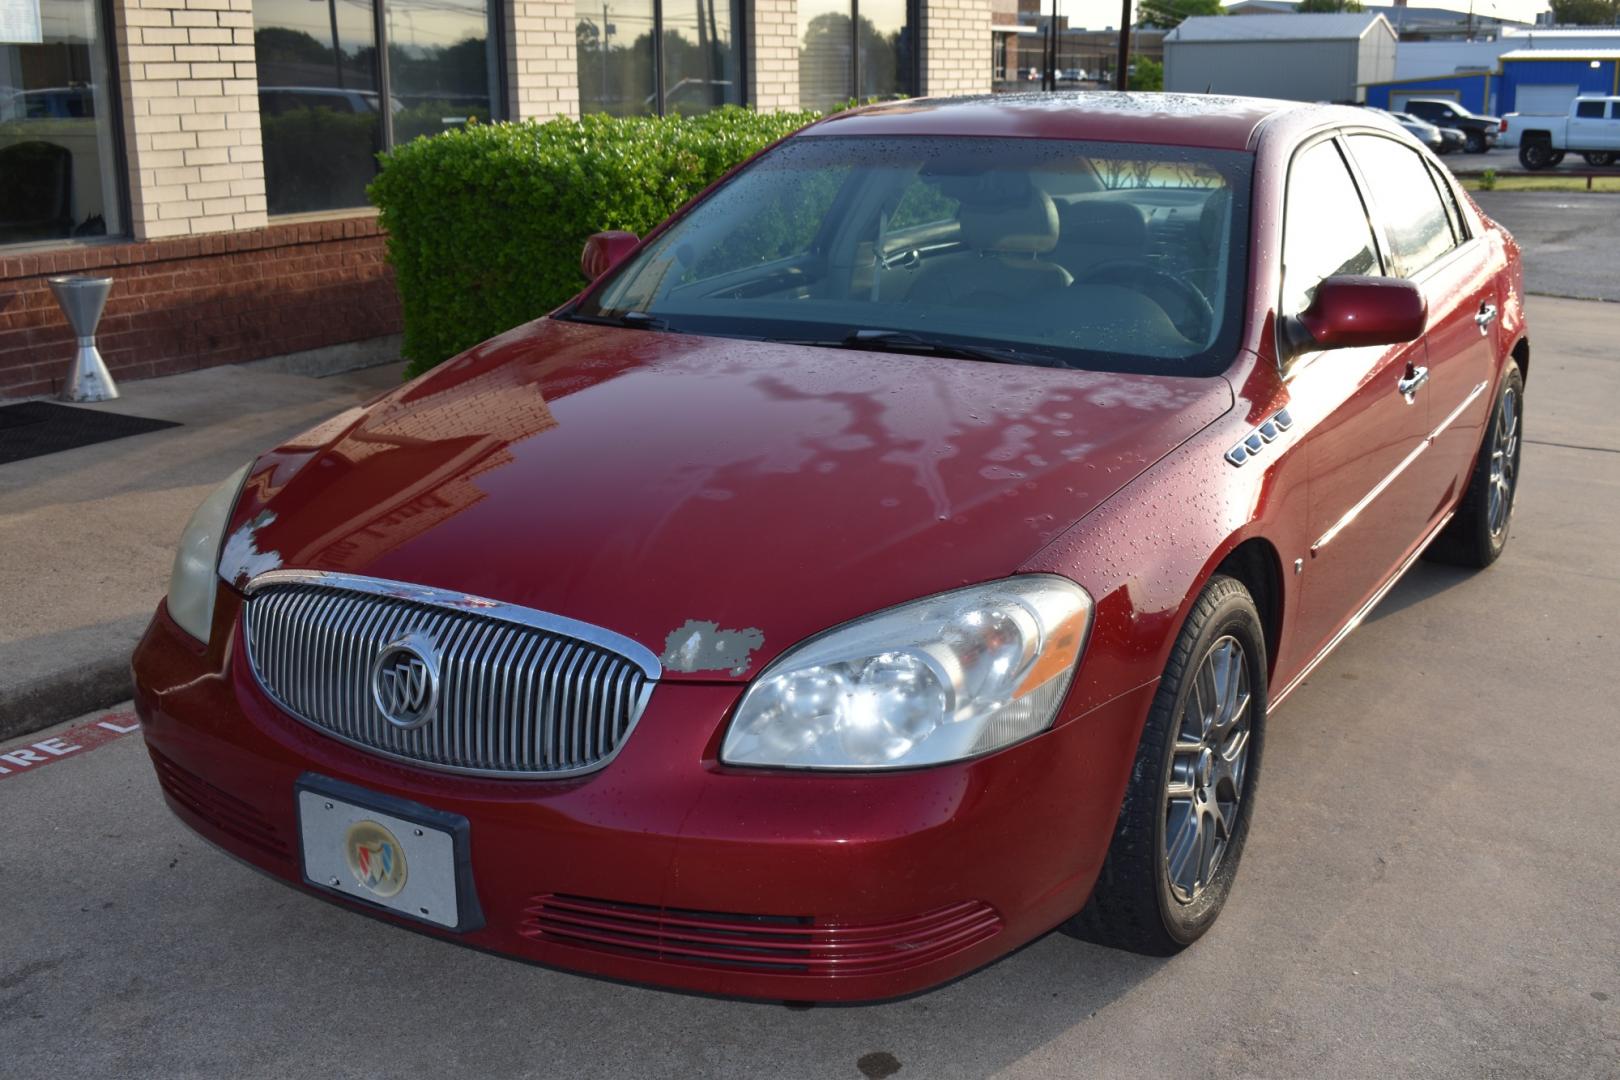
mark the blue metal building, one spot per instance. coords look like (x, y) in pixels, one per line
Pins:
(1538, 81)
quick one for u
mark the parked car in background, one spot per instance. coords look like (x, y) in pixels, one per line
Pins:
(1479, 132)
(1421, 130)
(896, 555)
(1591, 129)
(280, 100)
(52, 103)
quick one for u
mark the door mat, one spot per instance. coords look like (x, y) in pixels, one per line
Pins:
(32, 428)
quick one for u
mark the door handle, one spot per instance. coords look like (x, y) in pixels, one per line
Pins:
(1412, 383)
(1486, 316)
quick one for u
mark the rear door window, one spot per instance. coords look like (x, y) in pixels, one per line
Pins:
(1405, 201)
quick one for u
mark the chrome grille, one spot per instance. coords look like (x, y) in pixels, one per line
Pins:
(520, 692)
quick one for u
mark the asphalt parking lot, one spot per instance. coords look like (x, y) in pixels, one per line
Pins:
(1428, 889)
(1568, 238)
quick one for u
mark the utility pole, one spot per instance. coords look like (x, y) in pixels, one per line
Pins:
(337, 49)
(1121, 78)
(1049, 61)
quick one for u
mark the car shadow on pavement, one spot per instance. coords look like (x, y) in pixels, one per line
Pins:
(1423, 581)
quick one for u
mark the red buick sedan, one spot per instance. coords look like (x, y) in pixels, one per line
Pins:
(895, 556)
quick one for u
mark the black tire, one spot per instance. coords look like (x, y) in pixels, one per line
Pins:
(1473, 539)
(1599, 159)
(1557, 157)
(1132, 905)
(1474, 142)
(1535, 155)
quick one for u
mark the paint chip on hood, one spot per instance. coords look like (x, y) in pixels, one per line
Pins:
(703, 646)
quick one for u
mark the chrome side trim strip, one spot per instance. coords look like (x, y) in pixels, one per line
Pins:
(1406, 462)
(1473, 395)
(1366, 500)
(1357, 619)
(631, 650)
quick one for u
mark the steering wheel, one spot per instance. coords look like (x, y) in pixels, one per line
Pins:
(1193, 301)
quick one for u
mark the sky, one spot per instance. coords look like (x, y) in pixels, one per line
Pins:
(1099, 14)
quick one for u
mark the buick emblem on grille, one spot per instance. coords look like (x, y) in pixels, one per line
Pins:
(405, 681)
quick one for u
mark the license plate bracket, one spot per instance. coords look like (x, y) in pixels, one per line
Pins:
(435, 883)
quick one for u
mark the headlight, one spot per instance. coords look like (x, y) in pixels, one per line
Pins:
(949, 677)
(192, 584)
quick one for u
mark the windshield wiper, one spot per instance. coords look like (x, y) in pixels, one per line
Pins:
(904, 341)
(630, 320)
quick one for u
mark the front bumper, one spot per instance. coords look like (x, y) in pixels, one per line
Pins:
(666, 867)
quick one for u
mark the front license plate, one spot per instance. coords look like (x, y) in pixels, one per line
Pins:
(384, 852)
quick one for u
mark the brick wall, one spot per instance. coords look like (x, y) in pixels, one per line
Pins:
(956, 47)
(542, 77)
(191, 116)
(773, 55)
(193, 302)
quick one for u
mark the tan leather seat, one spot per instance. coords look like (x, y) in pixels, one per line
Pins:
(1004, 241)
(1096, 232)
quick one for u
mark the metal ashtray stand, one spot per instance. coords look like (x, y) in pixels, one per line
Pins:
(82, 299)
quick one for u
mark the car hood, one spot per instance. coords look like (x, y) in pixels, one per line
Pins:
(716, 500)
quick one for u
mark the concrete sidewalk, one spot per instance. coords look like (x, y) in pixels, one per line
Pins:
(87, 536)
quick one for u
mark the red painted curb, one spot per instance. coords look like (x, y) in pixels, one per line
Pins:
(78, 739)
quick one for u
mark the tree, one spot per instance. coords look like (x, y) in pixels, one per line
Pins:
(1328, 7)
(1148, 74)
(1168, 14)
(1584, 12)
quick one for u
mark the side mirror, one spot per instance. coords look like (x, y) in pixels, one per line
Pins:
(605, 250)
(1349, 311)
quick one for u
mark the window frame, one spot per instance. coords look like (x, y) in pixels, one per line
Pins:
(120, 196)
(912, 70)
(1459, 241)
(742, 21)
(496, 19)
(1380, 244)
(499, 88)
(1462, 224)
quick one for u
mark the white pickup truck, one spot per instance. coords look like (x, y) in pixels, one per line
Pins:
(1592, 129)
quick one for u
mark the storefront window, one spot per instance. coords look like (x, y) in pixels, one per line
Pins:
(439, 64)
(59, 175)
(319, 70)
(854, 49)
(699, 67)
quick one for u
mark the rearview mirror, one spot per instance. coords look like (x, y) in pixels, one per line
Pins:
(605, 250)
(1350, 311)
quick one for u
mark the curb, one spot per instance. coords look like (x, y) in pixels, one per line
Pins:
(38, 703)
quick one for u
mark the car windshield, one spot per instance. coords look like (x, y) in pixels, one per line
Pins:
(1105, 256)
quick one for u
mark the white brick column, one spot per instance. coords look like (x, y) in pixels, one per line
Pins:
(956, 55)
(542, 75)
(773, 54)
(191, 116)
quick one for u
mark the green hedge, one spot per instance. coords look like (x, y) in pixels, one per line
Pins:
(485, 225)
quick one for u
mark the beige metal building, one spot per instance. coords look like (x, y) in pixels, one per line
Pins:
(1295, 57)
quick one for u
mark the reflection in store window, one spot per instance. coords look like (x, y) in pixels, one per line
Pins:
(58, 170)
(854, 49)
(318, 99)
(619, 72)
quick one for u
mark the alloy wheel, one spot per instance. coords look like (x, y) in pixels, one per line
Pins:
(1202, 800)
(1504, 462)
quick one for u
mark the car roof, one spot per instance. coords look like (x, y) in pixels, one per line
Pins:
(1203, 120)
